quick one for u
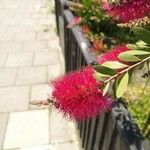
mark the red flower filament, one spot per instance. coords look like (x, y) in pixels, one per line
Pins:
(131, 10)
(112, 55)
(78, 95)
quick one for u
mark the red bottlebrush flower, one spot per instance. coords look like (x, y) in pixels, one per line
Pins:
(128, 11)
(78, 95)
(75, 21)
(112, 55)
(85, 29)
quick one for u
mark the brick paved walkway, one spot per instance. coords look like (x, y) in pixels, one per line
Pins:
(29, 56)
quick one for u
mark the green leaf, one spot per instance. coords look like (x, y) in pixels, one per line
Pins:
(136, 52)
(100, 77)
(128, 57)
(132, 46)
(114, 65)
(130, 72)
(106, 88)
(142, 34)
(97, 75)
(114, 89)
(138, 47)
(122, 85)
(104, 70)
(141, 43)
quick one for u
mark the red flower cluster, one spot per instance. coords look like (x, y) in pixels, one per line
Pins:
(78, 95)
(112, 55)
(131, 10)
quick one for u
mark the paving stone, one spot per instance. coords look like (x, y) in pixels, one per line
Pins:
(3, 124)
(18, 28)
(7, 76)
(43, 10)
(19, 59)
(36, 46)
(28, 22)
(25, 36)
(52, 17)
(28, 28)
(2, 59)
(46, 22)
(7, 36)
(53, 45)
(38, 147)
(22, 16)
(14, 98)
(60, 129)
(27, 129)
(54, 71)
(6, 47)
(31, 75)
(39, 16)
(66, 146)
(46, 36)
(10, 21)
(40, 91)
(44, 58)
(3, 28)
(44, 28)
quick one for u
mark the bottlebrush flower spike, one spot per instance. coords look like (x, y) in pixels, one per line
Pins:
(75, 21)
(112, 55)
(128, 11)
(78, 96)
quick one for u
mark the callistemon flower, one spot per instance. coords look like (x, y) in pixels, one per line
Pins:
(112, 55)
(75, 21)
(131, 10)
(78, 96)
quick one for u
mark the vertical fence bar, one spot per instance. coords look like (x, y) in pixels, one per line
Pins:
(92, 134)
(57, 14)
(98, 136)
(87, 132)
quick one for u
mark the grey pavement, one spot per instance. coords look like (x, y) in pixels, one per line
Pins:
(29, 57)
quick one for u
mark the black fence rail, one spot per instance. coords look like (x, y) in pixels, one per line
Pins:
(114, 130)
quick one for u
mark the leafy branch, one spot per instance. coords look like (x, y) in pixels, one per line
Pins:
(126, 70)
(121, 70)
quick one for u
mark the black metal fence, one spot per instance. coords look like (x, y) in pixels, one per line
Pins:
(114, 130)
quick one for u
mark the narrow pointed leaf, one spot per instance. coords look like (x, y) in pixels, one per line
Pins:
(122, 85)
(136, 52)
(128, 57)
(106, 88)
(114, 65)
(141, 43)
(114, 88)
(100, 77)
(97, 75)
(104, 70)
(138, 47)
(142, 34)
